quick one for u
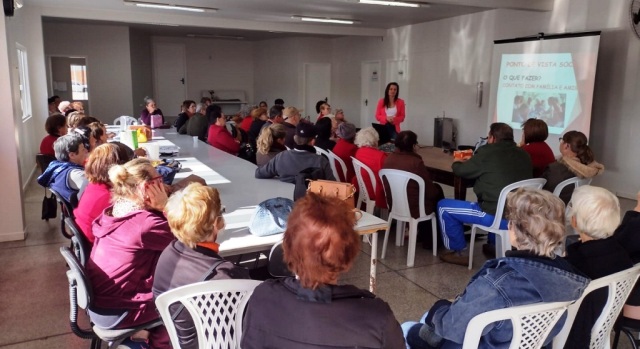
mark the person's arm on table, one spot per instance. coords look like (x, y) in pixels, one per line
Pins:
(469, 168)
(268, 170)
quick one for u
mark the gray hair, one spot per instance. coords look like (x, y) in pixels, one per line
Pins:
(367, 137)
(148, 100)
(200, 107)
(597, 211)
(69, 143)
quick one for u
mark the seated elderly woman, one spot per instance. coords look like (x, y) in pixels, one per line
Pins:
(369, 154)
(56, 126)
(218, 135)
(195, 218)
(97, 194)
(530, 275)
(129, 237)
(198, 124)
(594, 213)
(150, 109)
(270, 143)
(406, 159)
(345, 149)
(319, 245)
(66, 174)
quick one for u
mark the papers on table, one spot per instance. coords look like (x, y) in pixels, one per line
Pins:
(191, 165)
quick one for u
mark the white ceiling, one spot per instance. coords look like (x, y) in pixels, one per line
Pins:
(262, 19)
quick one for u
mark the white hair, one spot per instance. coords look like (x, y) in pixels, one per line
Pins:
(367, 137)
(597, 211)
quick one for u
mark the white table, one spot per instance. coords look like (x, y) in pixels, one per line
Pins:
(236, 239)
(240, 191)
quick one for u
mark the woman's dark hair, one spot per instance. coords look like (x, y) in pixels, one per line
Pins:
(319, 104)
(86, 120)
(323, 127)
(535, 130)
(387, 102)
(186, 104)
(53, 123)
(578, 143)
(405, 140)
(213, 113)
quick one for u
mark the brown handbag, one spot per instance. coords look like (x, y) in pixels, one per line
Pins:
(343, 191)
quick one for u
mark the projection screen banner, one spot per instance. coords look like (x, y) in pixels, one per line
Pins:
(545, 77)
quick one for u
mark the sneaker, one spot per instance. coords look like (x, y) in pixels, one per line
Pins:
(133, 344)
(489, 250)
(455, 257)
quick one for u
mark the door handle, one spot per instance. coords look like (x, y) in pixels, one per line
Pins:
(366, 102)
(182, 80)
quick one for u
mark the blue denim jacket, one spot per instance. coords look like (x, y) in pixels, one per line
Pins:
(520, 279)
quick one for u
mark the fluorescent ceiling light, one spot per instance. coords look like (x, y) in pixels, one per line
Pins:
(212, 36)
(325, 20)
(391, 3)
(170, 6)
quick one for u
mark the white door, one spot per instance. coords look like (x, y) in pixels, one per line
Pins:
(397, 71)
(317, 86)
(169, 77)
(371, 92)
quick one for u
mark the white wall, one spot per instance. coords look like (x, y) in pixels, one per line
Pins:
(217, 65)
(141, 71)
(108, 63)
(279, 69)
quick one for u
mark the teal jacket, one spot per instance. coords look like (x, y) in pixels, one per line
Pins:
(494, 166)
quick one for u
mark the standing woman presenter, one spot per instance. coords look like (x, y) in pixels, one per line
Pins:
(390, 109)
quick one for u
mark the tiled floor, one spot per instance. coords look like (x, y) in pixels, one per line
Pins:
(34, 292)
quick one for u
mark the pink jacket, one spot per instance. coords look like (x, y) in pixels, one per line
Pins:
(381, 114)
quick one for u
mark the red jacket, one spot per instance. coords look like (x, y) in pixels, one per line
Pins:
(219, 137)
(46, 146)
(95, 198)
(381, 114)
(374, 159)
(246, 123)
(541, 156)
(345, 150)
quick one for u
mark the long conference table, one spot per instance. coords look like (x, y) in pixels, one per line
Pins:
(240, 192)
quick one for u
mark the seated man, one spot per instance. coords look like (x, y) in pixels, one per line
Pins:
(594, 213)
(288, 164)
(494, 166)
(66, 174)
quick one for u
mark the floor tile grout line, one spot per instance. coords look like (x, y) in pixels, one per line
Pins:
(37, 339)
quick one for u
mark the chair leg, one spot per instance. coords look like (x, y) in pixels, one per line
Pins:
(632, 339)
(616, 337)
(413, 237)
(471, 243)
(434, 233)
(399, 233)
(386, 239)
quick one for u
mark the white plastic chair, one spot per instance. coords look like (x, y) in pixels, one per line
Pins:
(531, 324)
(398, 181)
(332, 163)
(125, 120)
(343, 167)
(576, 181)
(504, 243)
(216, 306)
(620, 285)
(363, 194)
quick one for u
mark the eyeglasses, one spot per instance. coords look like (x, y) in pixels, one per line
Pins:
(153, 179)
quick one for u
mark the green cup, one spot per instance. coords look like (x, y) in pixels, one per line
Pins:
(134, 139)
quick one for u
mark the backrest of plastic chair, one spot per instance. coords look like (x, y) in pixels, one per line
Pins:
(398, 181)
(358, 166)
(531, 324)
(81, 246)
(78, 278)
(343, 167)
(276, 265)
(620, 285)
(67, 208)
(216, 306)
(535, 183)
(332, 163)
(576, 181)
(126, 120)
(321, 151)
